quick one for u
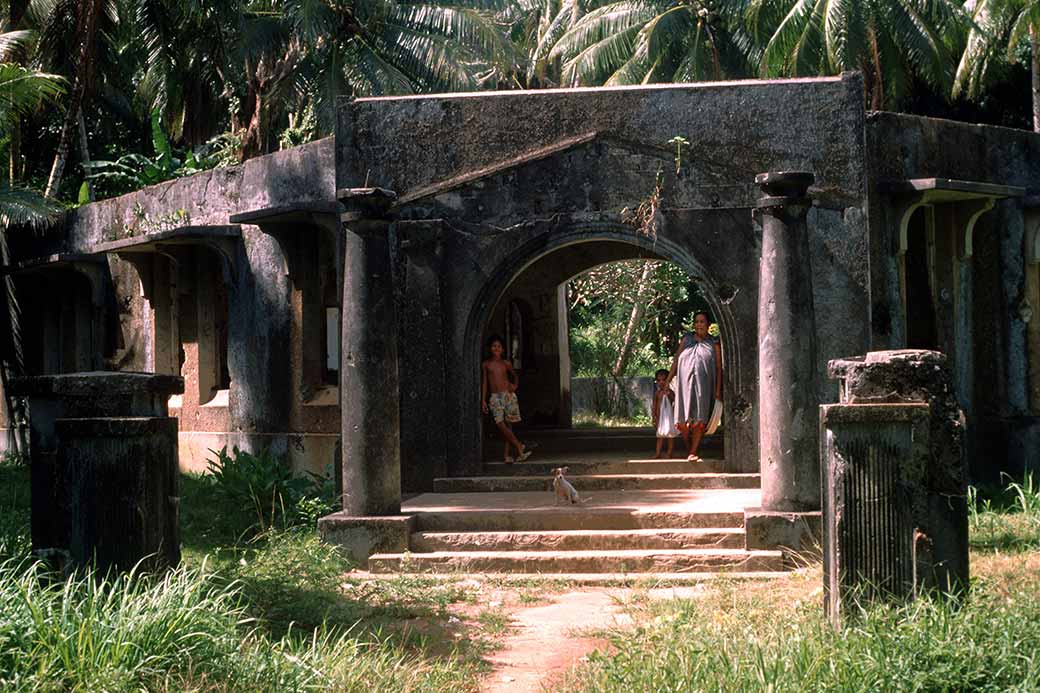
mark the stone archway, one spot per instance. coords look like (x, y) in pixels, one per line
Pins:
(570, 251)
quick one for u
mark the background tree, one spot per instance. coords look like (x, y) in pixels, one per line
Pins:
(889, 41)
(1003, 32)
(636, 42)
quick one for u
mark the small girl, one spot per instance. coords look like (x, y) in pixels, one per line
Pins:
(664, 413)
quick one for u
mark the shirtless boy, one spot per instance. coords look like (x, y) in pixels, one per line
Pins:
(500, 380)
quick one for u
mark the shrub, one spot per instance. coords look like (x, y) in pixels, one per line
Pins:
(262, 489)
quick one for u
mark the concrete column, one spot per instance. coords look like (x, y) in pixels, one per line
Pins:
(788, 406)
(369, 387)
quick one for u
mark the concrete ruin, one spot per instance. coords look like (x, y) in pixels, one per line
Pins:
(337, 294)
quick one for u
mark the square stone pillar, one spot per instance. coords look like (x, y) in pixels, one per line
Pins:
(895, 501)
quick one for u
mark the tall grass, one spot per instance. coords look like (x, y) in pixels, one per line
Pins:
(186, 630)
(1007, 520)
(773, 637)
(989, 644)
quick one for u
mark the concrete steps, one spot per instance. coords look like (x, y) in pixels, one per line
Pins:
(640, 517)
(542, 466)
(572, 518)
(624, 561)
(579, 540)
(595, 482)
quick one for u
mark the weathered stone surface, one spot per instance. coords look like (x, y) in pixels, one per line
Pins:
(370, 407)
(119, 489)
(104, 467)
(625, 561)
(787, 425)
(361, 537)
(801, 533)
(579, 540)
(596, 482)
(896, 519)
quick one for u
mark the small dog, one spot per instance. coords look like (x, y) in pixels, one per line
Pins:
(563, 489)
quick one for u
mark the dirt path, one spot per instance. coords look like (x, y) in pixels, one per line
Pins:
(547, 640)
(543, 643)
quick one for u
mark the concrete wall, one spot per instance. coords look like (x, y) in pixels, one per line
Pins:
(261, 278)
(984, 305)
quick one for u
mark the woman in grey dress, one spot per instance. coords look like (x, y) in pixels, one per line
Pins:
(697, 370)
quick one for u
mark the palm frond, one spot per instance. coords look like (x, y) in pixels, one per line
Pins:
(600, 59)
(22, 90)
(22, 207)
(600, 24)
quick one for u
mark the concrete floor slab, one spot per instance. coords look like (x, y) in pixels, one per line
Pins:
(634, 501)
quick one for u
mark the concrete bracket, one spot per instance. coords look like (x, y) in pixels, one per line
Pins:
(972, 211)
(1033, 244)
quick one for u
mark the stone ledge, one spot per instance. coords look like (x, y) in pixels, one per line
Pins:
(792, 531)
(362, 537)
(95, 384)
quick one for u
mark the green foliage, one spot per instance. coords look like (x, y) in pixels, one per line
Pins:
(187, 630)
(14, 506)
(263, 492)
(134, 171)
(601, 299)
(741, 642)
(1008, 520)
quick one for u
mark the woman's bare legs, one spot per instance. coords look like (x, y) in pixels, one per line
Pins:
(697, 435)
(671, 447)
(660, 440)
(684, 431)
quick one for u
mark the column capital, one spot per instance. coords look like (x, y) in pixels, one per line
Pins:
(786, 193)
(365, 203)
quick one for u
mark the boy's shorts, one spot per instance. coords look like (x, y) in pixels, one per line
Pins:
(504, 406)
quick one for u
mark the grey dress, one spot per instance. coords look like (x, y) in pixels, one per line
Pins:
(695, 380)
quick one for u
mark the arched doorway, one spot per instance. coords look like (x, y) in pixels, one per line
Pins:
(532, 281)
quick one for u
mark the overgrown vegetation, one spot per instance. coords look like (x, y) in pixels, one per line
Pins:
(772, 636)
(262, 493)
(255, 75)
(268, 611)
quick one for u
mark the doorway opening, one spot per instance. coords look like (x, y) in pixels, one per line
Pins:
(625, 320)
(585, 327)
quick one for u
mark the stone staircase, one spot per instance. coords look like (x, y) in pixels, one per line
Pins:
(638, 516)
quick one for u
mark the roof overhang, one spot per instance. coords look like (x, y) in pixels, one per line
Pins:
(973, 199)
(224, 239)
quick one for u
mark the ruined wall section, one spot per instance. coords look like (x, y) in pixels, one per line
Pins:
(255, 411)
(1005, 345)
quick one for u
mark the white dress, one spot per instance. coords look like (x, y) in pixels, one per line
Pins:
(666, 419)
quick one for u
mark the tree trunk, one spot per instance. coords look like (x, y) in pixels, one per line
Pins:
(14, 149)
(634, 319)
(86, 26)
(1035, 54)
(62, 155)
(84, 152)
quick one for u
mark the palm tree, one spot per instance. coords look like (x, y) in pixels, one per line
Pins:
(636, 41)
(86, 16)
(258, 57)
(999, 28)
(889, 41)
